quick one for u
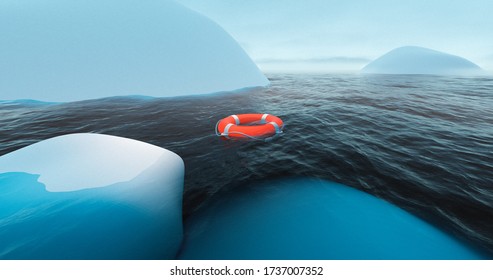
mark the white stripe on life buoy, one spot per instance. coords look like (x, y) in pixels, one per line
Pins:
(237, 120)
(226, 129)
(263, 119)
(278, 130)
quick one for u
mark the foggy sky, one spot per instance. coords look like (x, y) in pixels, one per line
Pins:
(328, 35)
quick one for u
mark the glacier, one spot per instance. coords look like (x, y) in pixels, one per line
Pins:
(419, 60)
(90, 196)
(58, 51)
(308, 218)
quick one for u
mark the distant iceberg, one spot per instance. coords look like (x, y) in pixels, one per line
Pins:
(90, 196)
(418, 60)
(57, 50)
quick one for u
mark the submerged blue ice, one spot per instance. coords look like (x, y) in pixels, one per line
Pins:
(313, 219)
(89, 224)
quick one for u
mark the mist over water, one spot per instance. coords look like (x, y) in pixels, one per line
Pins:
(424, 143)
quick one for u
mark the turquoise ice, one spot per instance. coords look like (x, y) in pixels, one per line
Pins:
(313, 219)
(90, 196)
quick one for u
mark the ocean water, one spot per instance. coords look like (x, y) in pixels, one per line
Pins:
(423, 143)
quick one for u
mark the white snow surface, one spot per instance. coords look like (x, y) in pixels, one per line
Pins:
(418, 60)
(82, 161)
(59, 50)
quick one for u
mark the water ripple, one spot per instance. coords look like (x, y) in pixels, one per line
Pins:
(424, 143)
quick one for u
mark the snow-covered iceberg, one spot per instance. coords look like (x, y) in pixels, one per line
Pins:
(90, 196)
(418, 60)
(58, 50)
(312, 219)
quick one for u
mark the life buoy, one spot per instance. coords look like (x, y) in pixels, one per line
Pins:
(249, 126)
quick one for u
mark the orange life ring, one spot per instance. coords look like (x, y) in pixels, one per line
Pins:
(249, 126)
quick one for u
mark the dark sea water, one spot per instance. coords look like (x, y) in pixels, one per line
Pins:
(423, 143)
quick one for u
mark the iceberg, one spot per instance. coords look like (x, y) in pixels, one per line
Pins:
(90, 196)
(306, 218)
(59, 51)
(418, 60)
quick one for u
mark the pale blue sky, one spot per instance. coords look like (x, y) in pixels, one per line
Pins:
(344, 35)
